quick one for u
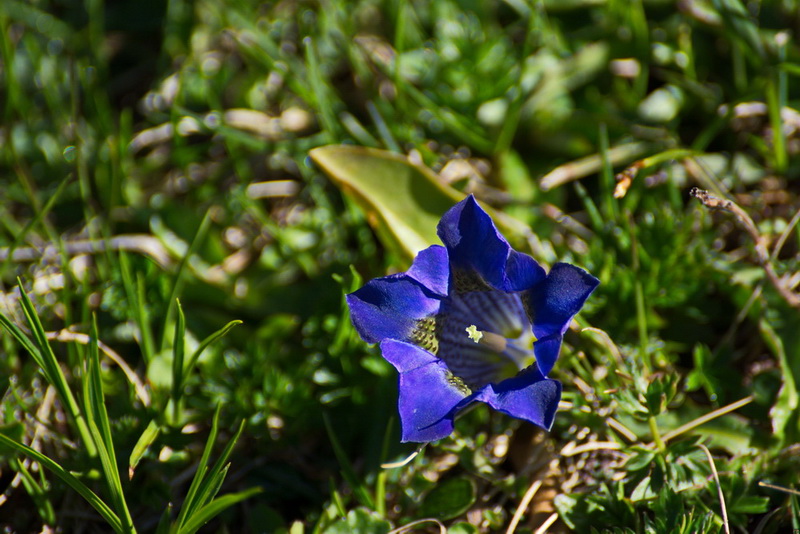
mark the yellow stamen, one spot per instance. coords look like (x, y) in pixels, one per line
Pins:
(474, 334)
(494, 342)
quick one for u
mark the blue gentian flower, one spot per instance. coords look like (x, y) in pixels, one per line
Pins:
(473, 320)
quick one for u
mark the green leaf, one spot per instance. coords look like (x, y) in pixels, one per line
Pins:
(403, 201)
(643, 491)
(142, 444)
(784, 413)
(163, 523)
(750, 504)
(360, 520)
(206, 482)
(659, 393)
(37, 493)
(449, 499)
(462, 528)
(202, 467)
(640, 459)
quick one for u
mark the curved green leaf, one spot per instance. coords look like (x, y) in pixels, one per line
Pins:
(403, 201)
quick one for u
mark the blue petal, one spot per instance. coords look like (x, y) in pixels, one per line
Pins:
(553, 303)
(431, 268)
(429, 395)
(390, 307)
(528, 396)
(546, 352)
(474, 244)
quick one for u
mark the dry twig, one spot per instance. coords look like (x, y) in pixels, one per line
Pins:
(763, 256)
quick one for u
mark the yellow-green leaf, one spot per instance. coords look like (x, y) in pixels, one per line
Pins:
(403, 200)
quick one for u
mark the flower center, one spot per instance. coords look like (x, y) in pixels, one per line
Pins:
(518, 349)
(490, 340)
(498, 342)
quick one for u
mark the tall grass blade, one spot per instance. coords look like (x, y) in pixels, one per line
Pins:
(347, 468)
(212, 509)
(178, 347)
(52, 371)
(102, 508)
(187, 368)
(100, 428)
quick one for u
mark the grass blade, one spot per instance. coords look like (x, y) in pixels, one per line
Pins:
(202, 467)
(100, 428)
(213, 480)
(102, 508)
(36, 492)
(187, 368)
(209, 511)
(347, 468)
(52, 370)
(177, 362)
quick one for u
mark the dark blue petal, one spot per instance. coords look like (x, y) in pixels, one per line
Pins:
(429, 394)
(546, 352)
(390, 307)
(528, 396)
(431, 268)
(554, 302)
(522, 272)
(474, 244)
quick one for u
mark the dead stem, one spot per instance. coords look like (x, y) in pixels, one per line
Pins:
(712, 202)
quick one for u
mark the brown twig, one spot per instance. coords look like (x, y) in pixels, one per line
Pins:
(138, 386)
(144, 244)
(712, 202)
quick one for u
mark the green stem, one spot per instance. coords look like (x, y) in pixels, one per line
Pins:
(656, 435)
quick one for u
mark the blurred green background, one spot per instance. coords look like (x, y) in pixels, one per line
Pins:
(155, 151)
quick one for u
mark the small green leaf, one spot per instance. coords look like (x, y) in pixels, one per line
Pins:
(643, 491)
(750, 504)
(640, 459)
(43, 354)
(660, 392)
(206, 482)
(449, 499)
(462, 528)
(784, 413)
(37, 493)
(142, 444)
(360, 520)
